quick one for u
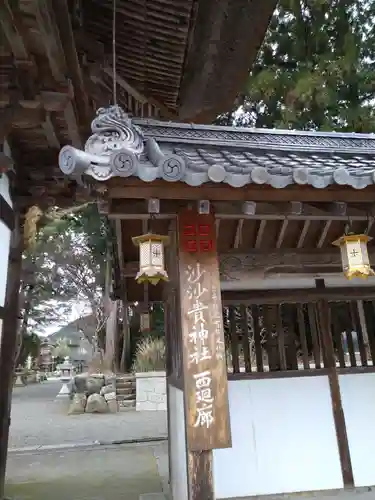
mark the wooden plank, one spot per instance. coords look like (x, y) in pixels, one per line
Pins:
(234, 340)
(358, 329)
(257, 339)
(303, 337)
(205, 371)
(314, 334)
(241, 211)
(296, 296)
(120, 188)
(280, 374)
(245, 338)
(6, 214)
(338, 412)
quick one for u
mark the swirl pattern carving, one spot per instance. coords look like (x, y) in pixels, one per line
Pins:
(172, 168)
(124, 163)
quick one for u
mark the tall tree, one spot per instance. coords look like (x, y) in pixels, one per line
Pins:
(316, 69)
(64, 265)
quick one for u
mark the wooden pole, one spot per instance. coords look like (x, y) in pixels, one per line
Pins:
(338, 412)
(203, 348)
(8, 346)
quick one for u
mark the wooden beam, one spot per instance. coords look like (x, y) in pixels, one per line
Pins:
(8, 344)
(337, 409)
(72, 125)
(47, 25)
(137, 189)
(12, 28)
(64, 26)
(48, 100)
(118, 231)
(297, 296)
(50, 132)
(261, 260)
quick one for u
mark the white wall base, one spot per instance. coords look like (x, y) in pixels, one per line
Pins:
(358, 401)
(284, 439)
(151, 391)
(177, 445)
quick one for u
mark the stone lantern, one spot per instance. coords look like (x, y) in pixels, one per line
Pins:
(354, 255)
(151, 258)
(66, 376)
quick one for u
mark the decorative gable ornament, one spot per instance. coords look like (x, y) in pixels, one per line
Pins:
(354, 255)
(151, 258)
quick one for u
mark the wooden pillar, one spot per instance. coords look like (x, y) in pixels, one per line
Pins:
(323, 313)
(204, 365)
(9, 344)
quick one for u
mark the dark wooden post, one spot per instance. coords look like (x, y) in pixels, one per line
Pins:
(8, 345)
(204, 365)
(323, 313)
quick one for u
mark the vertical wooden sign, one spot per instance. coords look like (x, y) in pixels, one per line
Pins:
(205, 370)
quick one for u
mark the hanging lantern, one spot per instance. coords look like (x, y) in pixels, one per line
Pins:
(151, 258)
(354, 255)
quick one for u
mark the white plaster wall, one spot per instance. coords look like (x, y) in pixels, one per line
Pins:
(358, 400)
(5, 234)
(151, 391)
(177, 440)
(283, 436)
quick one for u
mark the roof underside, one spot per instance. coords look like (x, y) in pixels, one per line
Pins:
(176, 59)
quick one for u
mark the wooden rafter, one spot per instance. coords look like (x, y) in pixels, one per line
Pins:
(12, 29)
(72, 62)
(141, 97)
(48, 27)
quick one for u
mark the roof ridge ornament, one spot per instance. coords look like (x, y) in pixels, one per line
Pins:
(112, 149)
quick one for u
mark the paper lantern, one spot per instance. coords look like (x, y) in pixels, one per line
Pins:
(354, 255)
(151, 258)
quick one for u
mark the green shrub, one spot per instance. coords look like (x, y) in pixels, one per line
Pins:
(150, 355)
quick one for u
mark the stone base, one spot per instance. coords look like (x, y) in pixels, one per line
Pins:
(152, 496)
(151, 391)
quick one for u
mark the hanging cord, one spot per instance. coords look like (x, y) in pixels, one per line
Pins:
(114, 74)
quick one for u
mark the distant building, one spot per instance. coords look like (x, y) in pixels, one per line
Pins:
(80, 351)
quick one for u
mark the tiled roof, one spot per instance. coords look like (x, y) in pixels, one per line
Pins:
(197, 154)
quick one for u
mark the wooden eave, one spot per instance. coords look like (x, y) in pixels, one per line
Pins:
(176, 59)
(280, 238)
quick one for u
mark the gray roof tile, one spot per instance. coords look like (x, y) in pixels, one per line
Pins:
(197, 154)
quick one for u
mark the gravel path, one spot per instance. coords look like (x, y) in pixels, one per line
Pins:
(38, 420)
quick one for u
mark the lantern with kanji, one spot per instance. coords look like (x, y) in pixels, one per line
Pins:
(151, 258)
(354, 255)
